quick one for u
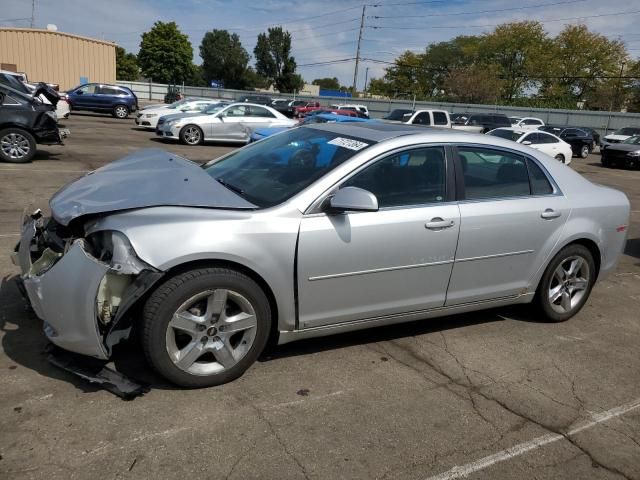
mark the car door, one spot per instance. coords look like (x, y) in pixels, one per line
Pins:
(422, 118)
(229, 126)
(512, 215)
(359, 265)
(84, 97)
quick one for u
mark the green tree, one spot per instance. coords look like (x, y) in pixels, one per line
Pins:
(252, 79)
(472, 84)
(126, 65)
(224, 58)
(581, 59)
(274, 60)
(520, 51)
(166, 54)
(633, 90)
(327, 83)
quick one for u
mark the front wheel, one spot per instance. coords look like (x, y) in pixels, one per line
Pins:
(560, 158)
(16, 145)
(191, 135)
(205, 327)
(566, 283)
(585, 151)
(120, 111)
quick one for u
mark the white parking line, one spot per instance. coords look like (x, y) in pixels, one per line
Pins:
(522, 448)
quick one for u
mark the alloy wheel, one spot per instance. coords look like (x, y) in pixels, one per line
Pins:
(211, 332)
(121, 111)
(192, 135)
(584, 152)
(569, 284)
(560, 158)
(15, 146)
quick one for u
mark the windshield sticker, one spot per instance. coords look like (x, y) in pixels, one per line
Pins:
(348, 143)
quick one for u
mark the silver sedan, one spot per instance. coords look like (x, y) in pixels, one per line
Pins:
(317, 230)
(234, 123)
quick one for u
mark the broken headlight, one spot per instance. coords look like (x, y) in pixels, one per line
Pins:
(114, 248)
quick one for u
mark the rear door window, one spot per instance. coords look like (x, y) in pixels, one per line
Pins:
(440, 118)
(490, 173)
(422, 119)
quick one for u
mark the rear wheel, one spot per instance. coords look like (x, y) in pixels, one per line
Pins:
(560, 158)
(191, 135)
(120, 111)
(205, 327)
(16, 145)
(566, 283)
(585, 151)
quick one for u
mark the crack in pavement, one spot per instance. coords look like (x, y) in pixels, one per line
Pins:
(470, 387)
(276, 435)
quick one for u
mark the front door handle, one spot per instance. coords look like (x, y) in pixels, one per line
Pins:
(438, 223)
(549, 214)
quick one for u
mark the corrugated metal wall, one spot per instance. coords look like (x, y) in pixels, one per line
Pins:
(603, 122)
(57, 57)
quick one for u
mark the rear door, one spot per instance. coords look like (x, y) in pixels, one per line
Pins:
(512, 215)
(360, 265)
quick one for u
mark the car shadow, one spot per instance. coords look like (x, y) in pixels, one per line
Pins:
(25, 344)
(632, 247)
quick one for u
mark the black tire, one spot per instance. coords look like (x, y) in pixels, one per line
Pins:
(187, 135)
(120, 111)
(17, 145)
(167, 299)
(542, 298)
(585, 150)
(560, 158)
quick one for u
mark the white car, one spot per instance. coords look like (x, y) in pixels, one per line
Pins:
(352, 106)
(526, 123)
(542, 141)
(618, 136)
(148, 117)
(233, 123)
(427, 118)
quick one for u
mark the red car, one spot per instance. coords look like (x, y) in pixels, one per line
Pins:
(306, 108)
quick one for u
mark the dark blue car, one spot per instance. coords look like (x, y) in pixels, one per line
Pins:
(103, 98)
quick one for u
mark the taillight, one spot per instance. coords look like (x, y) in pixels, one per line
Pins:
(621, 228)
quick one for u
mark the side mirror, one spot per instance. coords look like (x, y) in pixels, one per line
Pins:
(526, 142)
(353, 199)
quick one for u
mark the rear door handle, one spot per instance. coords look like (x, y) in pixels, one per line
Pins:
(437, 223)
(549, 214)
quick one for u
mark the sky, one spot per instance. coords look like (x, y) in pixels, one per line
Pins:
(326, 31)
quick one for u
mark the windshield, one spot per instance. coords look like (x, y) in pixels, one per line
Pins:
(514, 120)
(554, 130)
(398, 114)
(508, 134)
(635, 140)
(214, 108)
(627, 131)
(271, 171)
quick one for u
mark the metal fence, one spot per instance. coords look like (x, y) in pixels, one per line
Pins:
(603, 122)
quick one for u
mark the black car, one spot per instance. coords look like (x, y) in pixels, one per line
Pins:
(594, 134)
(26, 121)
(258, 99)
(488, 121)
(580, 140)
(623, 154)
(398, 114)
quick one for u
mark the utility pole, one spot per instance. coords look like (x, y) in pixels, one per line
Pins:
(366, 79)
(33, 13)
(355, 70)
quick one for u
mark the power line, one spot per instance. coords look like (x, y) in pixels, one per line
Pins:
(326, 34)
(330, 25)
(479, 11)
(328, 62)
(632, 12)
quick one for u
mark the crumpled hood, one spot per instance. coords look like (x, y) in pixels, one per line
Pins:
(148, 178)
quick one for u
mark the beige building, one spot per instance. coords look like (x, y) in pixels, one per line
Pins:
(56, 57)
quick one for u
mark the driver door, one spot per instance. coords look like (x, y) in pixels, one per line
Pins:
(360, 265)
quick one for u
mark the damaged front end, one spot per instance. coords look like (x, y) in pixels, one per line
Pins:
(81, 287)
